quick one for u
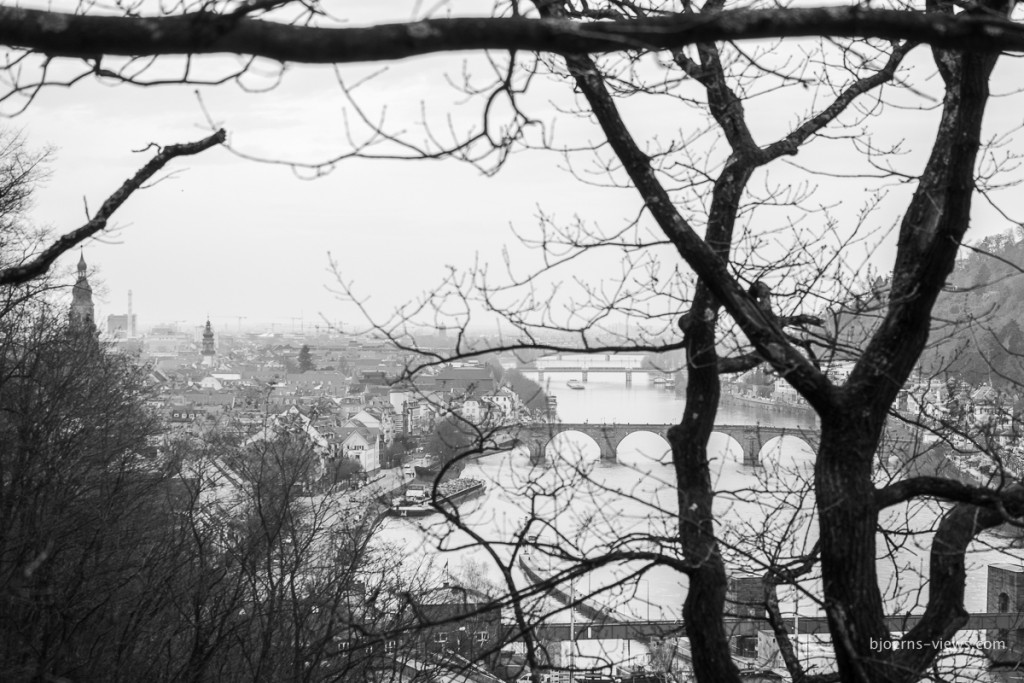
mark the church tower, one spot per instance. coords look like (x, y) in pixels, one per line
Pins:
(208, 348)
(81, 315)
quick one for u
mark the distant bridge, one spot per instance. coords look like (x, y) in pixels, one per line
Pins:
(749, 626)
(751, 438)
(586, 372)
(577, 368)
(587, 361)
(586, 364)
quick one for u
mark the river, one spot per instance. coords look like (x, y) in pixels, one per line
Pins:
(591, 506)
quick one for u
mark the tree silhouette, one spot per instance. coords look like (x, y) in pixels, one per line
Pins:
(305, 359)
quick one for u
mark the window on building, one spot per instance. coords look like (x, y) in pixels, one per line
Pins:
(1004, 602)
(441, 637)
(481, 637)
(390, 647)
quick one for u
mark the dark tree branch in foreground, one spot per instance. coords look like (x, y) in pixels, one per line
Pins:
(773, 578)
(941, 488)
(22, 273)
(91, 37)
(945, 614)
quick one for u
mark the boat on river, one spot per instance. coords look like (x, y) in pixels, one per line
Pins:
(417, 499)
(576, 384)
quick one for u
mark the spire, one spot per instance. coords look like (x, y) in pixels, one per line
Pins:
(208, 343)
(81, 315)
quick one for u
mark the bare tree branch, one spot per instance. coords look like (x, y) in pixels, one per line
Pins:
(89, 37)
(942, 488)
(38, 265)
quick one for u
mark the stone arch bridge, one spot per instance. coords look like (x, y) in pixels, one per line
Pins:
(751, 438)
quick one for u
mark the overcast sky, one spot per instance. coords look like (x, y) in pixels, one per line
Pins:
(227, 237)
(231, 237)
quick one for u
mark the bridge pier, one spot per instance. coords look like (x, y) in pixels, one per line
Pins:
(608, 445)
(629, 377)
(584, 374)
(536, 447)
(751, 449)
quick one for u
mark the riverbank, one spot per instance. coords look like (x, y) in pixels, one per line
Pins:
(738, 401)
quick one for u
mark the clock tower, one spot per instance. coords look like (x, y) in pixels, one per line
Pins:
(82, 313)
(208, 346)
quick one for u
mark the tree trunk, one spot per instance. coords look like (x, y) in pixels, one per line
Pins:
(704, 607)
(848, 521)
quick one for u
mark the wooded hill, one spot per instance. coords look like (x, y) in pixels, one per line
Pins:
(977, 326)
(977, 333)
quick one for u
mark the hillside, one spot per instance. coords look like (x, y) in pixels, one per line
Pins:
(977, 333)
(977, 330)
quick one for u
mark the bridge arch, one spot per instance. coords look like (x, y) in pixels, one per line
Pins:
(655, 452)
(725, 447)
(573, 447)
(787, 451)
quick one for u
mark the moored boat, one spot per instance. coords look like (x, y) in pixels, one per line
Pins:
(575, 384)
(417, 503)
